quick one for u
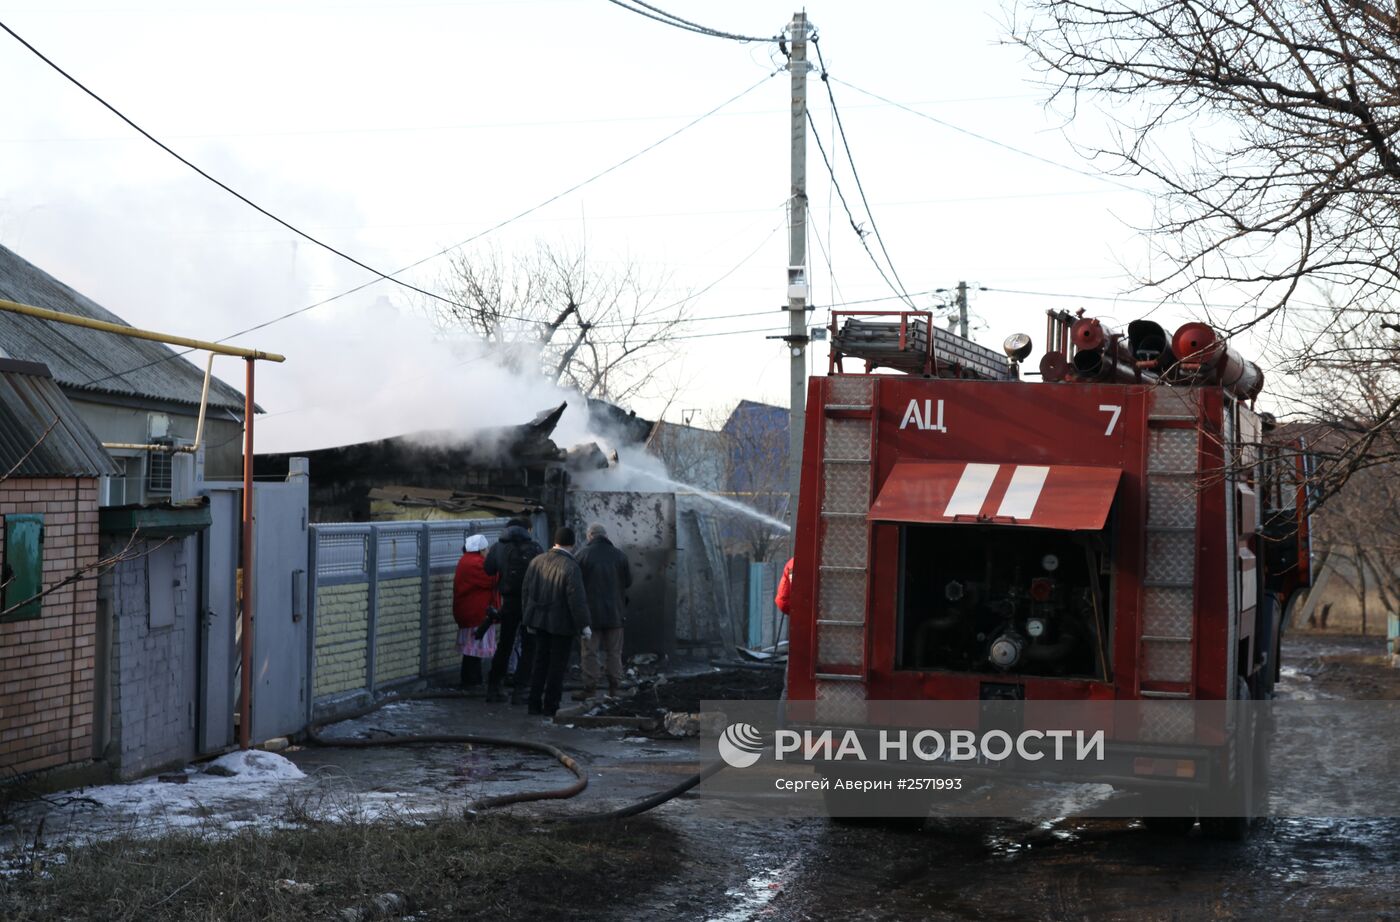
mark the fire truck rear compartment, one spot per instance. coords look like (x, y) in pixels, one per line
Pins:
(1003, 601)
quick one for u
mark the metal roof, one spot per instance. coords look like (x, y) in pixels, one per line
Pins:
(92, 360)
(41, 435)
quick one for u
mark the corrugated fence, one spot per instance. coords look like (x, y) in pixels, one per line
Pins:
(382, 604)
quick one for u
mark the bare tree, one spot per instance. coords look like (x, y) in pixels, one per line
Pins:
(1358, 534)
(1271, 127)
(600, 331)
(757, 477)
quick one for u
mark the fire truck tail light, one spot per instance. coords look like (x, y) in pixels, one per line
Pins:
(1171, 768)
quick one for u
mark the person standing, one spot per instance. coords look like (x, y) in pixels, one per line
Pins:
(509, 559)
(473, 591)
(606, 578)
(784, 597)
(556, 610)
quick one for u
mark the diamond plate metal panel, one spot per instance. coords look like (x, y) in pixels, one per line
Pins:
(847, 439)
(846, 488)
(840, 702)
(1166, 661)
(850, 391)
(1173, 402)
(1171, 557)
(845, 542)
(1168, 722)
(840, 644)
(1167, 612)
(1171, 502)
(1172, 450)
(841, 595)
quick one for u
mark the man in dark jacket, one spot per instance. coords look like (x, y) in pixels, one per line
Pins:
(556, 609)
(606, 577)
(509, 558)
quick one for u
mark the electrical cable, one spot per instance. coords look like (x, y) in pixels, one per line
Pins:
(671, 19)
(855, 174)
(490, 230)
(850, 216)
(986, 140)
(382, 276)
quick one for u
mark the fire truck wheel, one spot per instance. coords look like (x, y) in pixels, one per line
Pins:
(905, 810)
(1169, 825)
(1241, 801)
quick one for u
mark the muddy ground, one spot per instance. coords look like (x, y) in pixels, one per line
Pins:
(1063, 869)
(728, 868)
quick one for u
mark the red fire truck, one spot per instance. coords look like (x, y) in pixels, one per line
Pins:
(1114, 531)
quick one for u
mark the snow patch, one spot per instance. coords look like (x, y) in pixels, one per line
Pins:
(255, 765)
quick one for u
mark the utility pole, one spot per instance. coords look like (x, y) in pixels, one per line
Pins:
(798, 30)
(962, 309)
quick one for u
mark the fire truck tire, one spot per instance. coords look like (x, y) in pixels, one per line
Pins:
(1169, 825)
(1241, 803)
(906, 810)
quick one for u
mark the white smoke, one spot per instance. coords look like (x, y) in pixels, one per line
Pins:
(380, 372)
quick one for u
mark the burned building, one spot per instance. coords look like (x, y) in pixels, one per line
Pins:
(438, 474)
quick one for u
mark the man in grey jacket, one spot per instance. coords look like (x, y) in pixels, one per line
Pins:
(606, 577)
(555, 608)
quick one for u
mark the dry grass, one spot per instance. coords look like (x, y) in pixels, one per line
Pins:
(500, 868)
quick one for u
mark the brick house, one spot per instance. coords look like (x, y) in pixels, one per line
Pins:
(50, 464)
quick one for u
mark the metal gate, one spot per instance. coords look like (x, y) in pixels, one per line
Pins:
(281, 699)
(218, 651)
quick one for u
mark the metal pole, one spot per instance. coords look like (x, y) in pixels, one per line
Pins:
(245, 709)
(798, 31)
(122, 329)
(962, 309)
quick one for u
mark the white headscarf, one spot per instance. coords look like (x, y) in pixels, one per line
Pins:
(475, 544)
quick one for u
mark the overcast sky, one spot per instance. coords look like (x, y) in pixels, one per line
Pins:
(395, 129)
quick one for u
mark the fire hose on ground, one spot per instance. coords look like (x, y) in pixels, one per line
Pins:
(315, 736)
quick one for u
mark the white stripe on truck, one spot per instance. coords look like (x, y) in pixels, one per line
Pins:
(971, 491)
(1024, 491)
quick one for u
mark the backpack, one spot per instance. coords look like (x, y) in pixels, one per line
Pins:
(518, 556)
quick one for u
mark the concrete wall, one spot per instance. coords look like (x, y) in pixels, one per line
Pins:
(442, 630)
(643, 526)
(371, 578)
(396, 636)
(342, 638)
(153, 642)
(46, 664)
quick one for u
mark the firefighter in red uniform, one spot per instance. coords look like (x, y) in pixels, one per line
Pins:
(784, 597)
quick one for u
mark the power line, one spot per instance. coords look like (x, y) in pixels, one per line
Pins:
(849, 216)
(994, 142)
(490, 230)
(222, 185)
(1110, 298)
(671, 19)
(855, 174)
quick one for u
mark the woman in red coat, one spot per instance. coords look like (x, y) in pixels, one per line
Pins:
(472, 592)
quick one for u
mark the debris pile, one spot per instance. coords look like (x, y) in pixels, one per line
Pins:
(670, 705)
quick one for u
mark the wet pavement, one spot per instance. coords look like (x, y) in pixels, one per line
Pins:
(738, 868)
(1292, 868)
